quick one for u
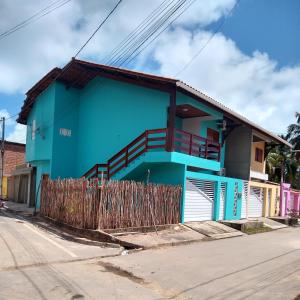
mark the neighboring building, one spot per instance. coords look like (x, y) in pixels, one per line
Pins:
(289, 200)
(94, 120)
(14, 155)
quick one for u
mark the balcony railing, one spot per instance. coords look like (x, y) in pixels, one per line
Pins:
(153, 140)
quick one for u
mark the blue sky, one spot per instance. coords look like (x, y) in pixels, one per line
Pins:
(252, 65)
(271, 26)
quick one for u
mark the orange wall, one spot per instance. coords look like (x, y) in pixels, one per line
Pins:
(255, 165)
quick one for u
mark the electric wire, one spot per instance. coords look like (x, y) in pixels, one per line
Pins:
(123, 45)
(146, 35)
(133, 33)
(100, 25)
(155, 23)
(208, 41)
(82, 47)
(160, 32)
(43, 12)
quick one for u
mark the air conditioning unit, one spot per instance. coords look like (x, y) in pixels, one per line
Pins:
(222, 172)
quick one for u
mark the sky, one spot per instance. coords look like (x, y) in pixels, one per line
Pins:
(252, 64)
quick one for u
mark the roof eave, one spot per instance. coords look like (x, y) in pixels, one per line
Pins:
(231, 113)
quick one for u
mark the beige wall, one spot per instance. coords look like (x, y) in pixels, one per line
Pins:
(271, 197)
(255, 165)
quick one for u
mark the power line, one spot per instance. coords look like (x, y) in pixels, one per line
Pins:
(131, 36)
(149, 32)
(208, 41)
(160, 32)
(100, 25)
(155, 21)
(10, 117)
(38, 15)
(30, 18)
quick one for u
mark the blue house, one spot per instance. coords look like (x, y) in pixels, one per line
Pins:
(95, 120)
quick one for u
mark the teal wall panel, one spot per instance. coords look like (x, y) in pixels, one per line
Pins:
(102, 118)
(39, 143)
(112, 114)
(229, 204)
(65, 132)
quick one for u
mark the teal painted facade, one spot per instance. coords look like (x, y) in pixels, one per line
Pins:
(70, 130)
(112, 114)
(229, 198)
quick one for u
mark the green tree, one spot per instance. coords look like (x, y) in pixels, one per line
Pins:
(293, 135)
(282, 163)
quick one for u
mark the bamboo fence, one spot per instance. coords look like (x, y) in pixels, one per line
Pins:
(110, 204)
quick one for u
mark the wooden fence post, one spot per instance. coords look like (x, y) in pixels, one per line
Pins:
(41, 187)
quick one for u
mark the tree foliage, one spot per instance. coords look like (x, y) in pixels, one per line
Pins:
(282, 163)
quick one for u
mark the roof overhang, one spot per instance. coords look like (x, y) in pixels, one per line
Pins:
(78, 73)
(230, 113)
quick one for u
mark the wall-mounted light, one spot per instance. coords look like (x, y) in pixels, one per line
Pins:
(222, 125)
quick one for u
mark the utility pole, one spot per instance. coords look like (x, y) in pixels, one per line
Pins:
(2, 156)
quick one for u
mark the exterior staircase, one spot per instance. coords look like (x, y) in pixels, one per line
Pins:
(163, 139)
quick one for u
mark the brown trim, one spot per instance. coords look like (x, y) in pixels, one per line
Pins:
(126, 71)
(227, 112)
(165, 84)
(156, 86)
(171, 121)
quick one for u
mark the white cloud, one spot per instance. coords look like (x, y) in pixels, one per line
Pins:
(51, 41)
(16, 132)
(251, 84)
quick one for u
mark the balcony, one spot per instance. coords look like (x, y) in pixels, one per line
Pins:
(163, 139)
(259, 175)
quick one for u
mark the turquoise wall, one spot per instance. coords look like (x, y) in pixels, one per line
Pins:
(166, 173)
(39, 150)
(65, 147)
(229, 203)
(112, 114)
(43, 113)
(103, 118)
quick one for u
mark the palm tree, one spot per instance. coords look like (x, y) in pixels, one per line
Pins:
(281, 164)
(293, 135)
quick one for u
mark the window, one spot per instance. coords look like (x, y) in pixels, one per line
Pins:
(259, 155)
(212, 135)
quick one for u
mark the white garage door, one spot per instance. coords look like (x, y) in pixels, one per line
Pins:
(244, 199)
(255, 202)
(199, 199)
(222, 201)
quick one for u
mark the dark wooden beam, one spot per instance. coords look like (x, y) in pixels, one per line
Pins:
(171, 121)
(131, 79)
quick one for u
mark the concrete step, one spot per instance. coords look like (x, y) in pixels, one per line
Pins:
(213, 229)
(272, 223)
(286, 221)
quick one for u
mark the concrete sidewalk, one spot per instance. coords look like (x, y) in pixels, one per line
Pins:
(14, 207)
(173, 236)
